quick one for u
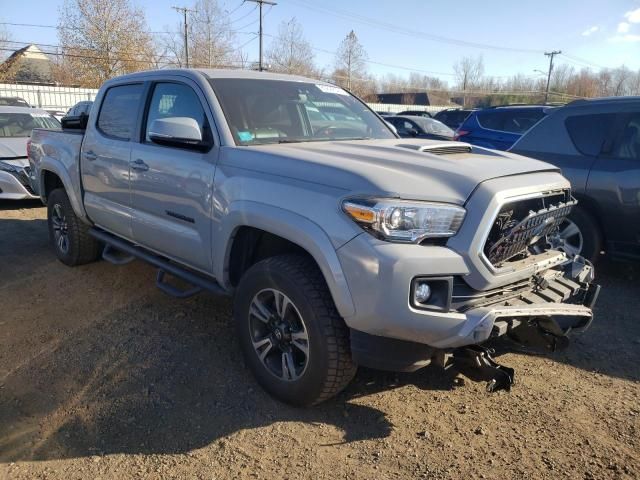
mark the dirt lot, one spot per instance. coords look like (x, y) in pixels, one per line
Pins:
(103, 376)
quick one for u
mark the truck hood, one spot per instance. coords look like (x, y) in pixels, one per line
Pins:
(13, 147)
(401, 168)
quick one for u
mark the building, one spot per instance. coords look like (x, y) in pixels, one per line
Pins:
(27, 65)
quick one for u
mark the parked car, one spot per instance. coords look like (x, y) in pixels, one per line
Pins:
(16, 124)
(13, 102)
(57, 114)
(80, 107)
(453, 117)
(415, 113)
(596, 143)
(499, 127)
(342, 244)
(420, 127)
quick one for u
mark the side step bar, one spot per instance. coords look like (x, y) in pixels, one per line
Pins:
(198, 281)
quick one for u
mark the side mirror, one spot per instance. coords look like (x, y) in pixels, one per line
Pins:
(413, 132)
(183, 132)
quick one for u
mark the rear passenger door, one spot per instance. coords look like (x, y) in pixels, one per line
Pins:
(105, 155)
(172, 187)
(614, 182)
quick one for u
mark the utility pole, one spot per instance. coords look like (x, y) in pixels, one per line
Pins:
(184, 11)
(260, 3)
(550, 55)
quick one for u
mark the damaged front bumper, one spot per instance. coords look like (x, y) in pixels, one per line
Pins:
(541, 311)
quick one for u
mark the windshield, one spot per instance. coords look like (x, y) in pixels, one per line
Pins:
(21, 124)
(266, 111)
(430, 125)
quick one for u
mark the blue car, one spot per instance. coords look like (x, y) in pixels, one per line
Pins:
(499, 127)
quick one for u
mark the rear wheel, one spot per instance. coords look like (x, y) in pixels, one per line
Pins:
(68, 234)
(292, 337)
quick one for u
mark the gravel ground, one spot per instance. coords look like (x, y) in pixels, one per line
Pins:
(103, 376)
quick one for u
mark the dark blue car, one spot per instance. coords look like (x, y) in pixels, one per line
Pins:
(499, 127)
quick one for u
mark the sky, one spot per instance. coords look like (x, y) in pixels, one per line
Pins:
(400, 36)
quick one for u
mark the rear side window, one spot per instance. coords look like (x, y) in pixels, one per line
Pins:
(513, 121)
(627, 145)
(588, 132)
(119, 111)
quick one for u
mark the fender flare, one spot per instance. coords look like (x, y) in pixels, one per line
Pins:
(52, 165)
(290, 226)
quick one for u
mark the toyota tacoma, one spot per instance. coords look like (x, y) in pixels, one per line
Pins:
(342, 244)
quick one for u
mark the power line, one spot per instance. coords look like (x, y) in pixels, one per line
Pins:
(352, 16)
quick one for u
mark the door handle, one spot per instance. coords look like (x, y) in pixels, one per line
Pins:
(139, 165)
(90, 156)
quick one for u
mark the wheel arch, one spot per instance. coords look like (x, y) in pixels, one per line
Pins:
(53, 174)
(282, 231)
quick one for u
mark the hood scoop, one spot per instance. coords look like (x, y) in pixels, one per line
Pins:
(445, 148)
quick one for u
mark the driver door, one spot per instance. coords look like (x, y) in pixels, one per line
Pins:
(171, 186)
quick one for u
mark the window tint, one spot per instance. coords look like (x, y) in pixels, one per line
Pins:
(588, 132)
(119, 110)
(260, 112)
(627, 145)
(513, 121)
(174, 100)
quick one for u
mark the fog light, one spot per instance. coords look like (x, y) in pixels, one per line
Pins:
(422, 292)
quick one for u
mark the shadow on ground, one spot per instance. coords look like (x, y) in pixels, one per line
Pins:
(161, 377)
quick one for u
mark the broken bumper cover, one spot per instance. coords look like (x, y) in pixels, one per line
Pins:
(380, 276)
(556, 303)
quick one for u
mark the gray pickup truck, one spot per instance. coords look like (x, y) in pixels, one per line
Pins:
(342, 244)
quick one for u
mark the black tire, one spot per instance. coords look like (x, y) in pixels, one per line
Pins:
(329, 367)
(590, 231)
(81, 247)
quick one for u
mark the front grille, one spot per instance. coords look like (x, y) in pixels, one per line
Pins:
(521, 225)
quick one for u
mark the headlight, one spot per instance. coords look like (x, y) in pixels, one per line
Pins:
(405, 221)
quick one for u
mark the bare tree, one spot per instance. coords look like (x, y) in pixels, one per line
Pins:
(5, 37)
(211, 38)
(290, 52)
(101, 39)
(468, 72)
(351, 63)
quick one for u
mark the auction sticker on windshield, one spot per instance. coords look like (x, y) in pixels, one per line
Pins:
(331, 89)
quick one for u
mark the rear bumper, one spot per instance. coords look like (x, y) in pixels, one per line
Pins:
(12, 189)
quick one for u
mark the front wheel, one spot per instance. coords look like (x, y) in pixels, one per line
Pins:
(293, 339)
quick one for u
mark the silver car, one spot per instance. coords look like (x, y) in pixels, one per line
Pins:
(16, 124)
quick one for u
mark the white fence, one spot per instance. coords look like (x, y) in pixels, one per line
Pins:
(43, 96)
(63, 98)
(396, 108)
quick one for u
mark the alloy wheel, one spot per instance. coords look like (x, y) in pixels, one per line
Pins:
(571, 239)
(278, 334)
(60, 229)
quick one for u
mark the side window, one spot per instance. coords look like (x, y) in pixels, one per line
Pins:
(492, 120)
(118, 113)
(521, 121)
(588, 132)
(175, 100)
(627, 145)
